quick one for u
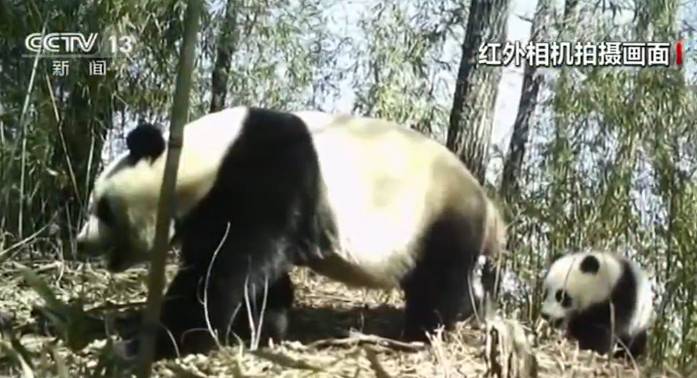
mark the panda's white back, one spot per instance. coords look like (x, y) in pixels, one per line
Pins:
(383, 182)
(644, 307)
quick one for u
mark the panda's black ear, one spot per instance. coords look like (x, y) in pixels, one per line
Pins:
(554, 257)
(590, 264)
(145, 141)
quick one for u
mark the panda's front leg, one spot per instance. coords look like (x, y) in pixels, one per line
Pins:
(191, 323)
(183, 326)
(591, 334)
(179, 314)
(265, 315)
(204, 308)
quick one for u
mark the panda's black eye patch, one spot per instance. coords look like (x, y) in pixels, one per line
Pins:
(104, 212)
(563, 298)
(590, 265)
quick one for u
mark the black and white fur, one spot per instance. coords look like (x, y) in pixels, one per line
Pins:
(579, 290)
(360, 200)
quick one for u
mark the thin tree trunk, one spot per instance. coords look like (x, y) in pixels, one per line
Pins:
(532, 82)
(180, 112)
(471, 116)
(226, 44)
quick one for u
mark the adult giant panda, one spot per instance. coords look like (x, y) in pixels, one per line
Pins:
(580, 288)
(363, 201)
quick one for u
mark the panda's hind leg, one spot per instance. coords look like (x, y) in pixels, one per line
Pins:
(437, 290)
(632, 347)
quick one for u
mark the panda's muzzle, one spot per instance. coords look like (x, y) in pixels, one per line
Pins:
(86, 248)
(116, 263)
(81, 246)
(90, 248)
(554, 322)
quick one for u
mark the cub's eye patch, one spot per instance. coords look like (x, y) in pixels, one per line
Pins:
(563, 298)
(104, 212)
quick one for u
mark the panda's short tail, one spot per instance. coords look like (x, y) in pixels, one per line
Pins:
(493, 248)
(495, 238)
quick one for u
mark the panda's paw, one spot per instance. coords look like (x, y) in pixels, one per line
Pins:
(127, 350)
(5, 321)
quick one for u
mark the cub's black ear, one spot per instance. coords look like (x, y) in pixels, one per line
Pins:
(590, 265)
(145, 141)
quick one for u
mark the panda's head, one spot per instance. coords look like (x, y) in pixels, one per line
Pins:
(122, 206)
(576, 281)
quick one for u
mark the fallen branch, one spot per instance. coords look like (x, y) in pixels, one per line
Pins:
(286, 361)
(379, 370)
(360, 338)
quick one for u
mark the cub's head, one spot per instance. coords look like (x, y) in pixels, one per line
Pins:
(123, 204)
(576, 281)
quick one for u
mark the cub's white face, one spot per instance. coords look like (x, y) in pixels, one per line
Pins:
(575, 282)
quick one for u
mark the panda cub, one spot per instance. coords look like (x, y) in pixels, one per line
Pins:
(363, 201)
(579, 289)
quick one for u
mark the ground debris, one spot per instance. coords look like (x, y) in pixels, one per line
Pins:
(508, 350)
(337, 332)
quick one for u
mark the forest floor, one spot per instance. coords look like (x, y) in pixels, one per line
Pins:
(324, 311)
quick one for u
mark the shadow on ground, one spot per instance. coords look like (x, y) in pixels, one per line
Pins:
(309, 324)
